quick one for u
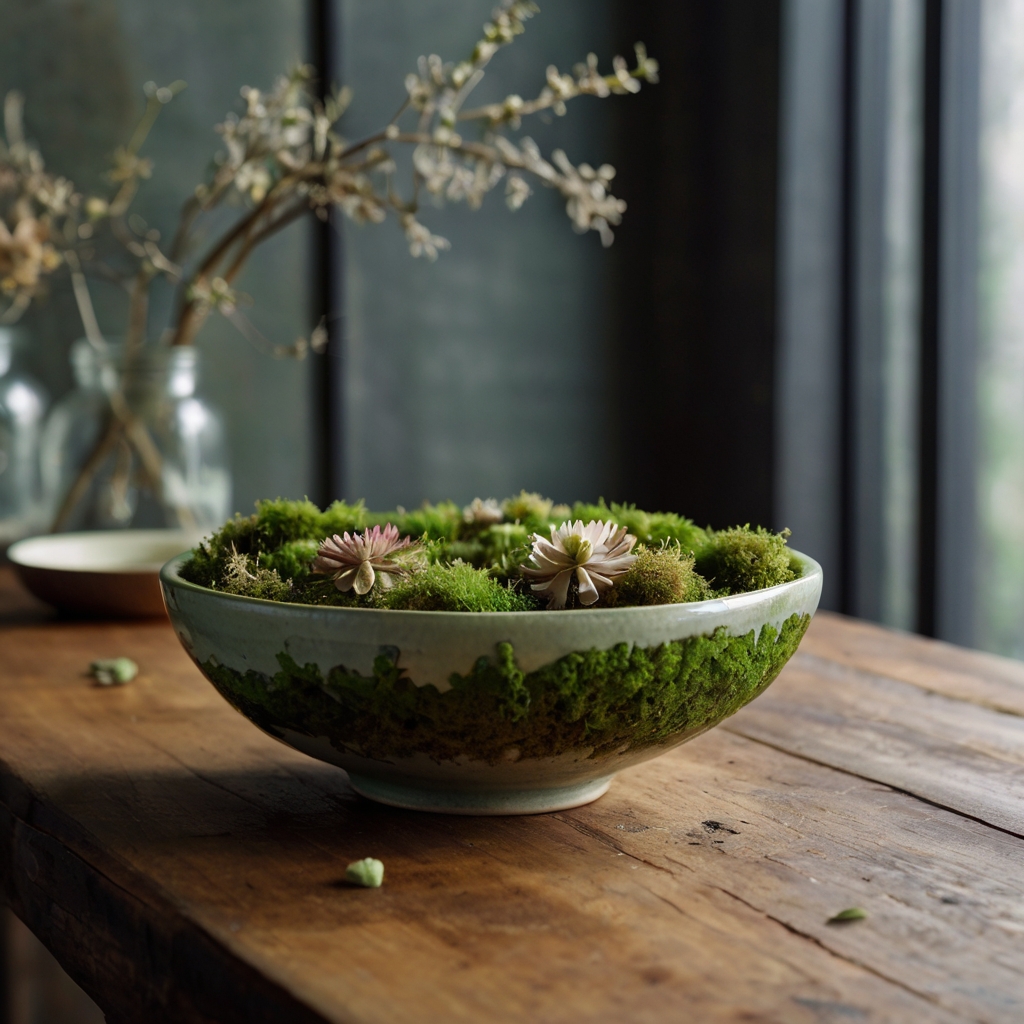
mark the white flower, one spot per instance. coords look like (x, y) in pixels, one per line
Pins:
(421, 241)
(517, 191)
(596, 554)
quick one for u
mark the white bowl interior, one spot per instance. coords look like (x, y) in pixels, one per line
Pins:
(143, 551)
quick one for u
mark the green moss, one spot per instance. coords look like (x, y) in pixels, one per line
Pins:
(743, 559)
(320, 590)
(291, 561)
(529, 509)
(279, 522)
(210, 559)
(435, 522)
(660, 575)
(282, 538)
(648, 527)
(453, 588)
(594, 702)
(339, 518)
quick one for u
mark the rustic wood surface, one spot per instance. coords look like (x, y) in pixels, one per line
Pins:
(185, 867)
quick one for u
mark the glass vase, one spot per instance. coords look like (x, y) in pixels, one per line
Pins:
(132, 445)
(22, 405)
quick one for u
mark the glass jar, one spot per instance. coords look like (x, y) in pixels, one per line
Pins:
(22, 405)
(132, 445)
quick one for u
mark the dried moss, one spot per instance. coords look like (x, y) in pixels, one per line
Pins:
(594, 702)
(246, 577)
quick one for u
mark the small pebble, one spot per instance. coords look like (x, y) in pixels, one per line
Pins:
(850, 914)
(368, 872)
(113, 671)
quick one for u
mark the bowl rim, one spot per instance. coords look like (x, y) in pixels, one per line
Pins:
(19, 553)
(169, 577)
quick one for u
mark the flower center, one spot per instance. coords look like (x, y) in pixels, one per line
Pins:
(578, 548)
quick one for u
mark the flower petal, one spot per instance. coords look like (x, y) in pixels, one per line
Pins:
(364, 578)
(344, 580)
(588, 592)
(557, 588)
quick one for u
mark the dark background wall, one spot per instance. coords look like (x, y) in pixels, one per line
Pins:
(486, 371)
(695, 261)
(526, 356)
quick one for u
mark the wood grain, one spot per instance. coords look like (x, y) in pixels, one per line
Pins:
(946, 751)
(185, 867)
(932, 665)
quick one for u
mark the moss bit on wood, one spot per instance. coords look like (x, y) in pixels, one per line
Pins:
(113, 671)
(368, 872)
(849, 914)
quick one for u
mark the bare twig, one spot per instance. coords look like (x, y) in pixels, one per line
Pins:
(138, 308)
(84, 301)
(78, 490)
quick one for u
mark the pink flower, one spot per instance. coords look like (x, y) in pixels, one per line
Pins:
(597, 554)
(353, 560)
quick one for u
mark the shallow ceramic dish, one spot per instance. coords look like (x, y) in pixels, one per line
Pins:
(104, 573)
(489, 712)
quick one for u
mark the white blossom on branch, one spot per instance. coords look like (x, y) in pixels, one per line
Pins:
(284, 155)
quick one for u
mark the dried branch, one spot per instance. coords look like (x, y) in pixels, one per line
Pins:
(283, 156)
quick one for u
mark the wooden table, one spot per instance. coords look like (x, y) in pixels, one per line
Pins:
(185, 867)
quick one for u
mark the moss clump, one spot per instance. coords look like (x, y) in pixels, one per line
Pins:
(453, 588)
(435, 522)
(246, 577)
(528, 509)
(209, 562)
(500, 547)
(292, 560)
(743, 559)
(278, 522)
(596, 702)
(282, 537)
(660, 575)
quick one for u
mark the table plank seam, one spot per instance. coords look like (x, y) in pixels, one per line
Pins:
(836, 953)
(811, 661)
(754, 738)
(609, 841)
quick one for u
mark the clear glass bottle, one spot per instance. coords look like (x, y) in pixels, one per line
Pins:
(132, 445)
(22, 406)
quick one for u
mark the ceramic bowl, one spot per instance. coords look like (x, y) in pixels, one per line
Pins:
(489, 712)
(102, 573)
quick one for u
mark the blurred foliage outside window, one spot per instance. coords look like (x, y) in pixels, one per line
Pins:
(1000, 615)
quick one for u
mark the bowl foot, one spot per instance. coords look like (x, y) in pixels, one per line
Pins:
(481, 802)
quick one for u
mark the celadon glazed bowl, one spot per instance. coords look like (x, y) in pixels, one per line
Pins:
(489, 712)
